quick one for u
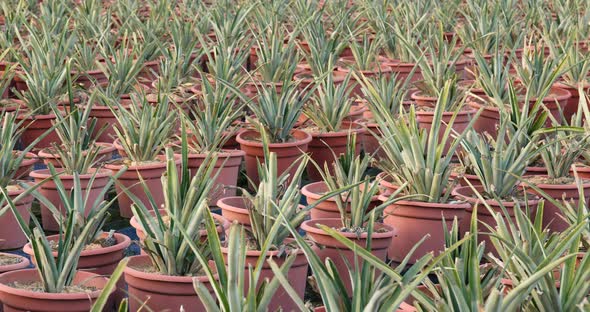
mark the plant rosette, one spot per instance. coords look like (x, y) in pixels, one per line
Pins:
(287, 153)
(297, 274)
(327, 209)
(49, 190)
(560, 190)
(16, 295)
(331, 248)
(325, 145)
(133, 180)
(413, 220)
(484, 216)
(161, 292)
(105, 153)
(227, 165)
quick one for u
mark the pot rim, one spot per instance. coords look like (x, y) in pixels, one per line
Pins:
(123, 241)
(46, 173)
(159, 277)
(24, 263)
(305, 140)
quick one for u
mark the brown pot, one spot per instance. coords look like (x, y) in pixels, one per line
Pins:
(105, 119)
(224, 225)
(26, 166)
(18, 299)
(161, 292)
(49, 190)
(23, 264)
(105, 153)
(327, 209)
(234, 209)
(10, 230)
(287, 153)
(386, 185)
(132, 179)
(413, 220)
(535, 171)
(425, 120)
(227, 168)
(371, 141)
(403, 70)
(149, 73)
(571, 107)
(555, 103)
(297, 276)
(488, 120)
(34, 127)
(484, 216)
(324, 146)
(339, 253)
(553, 217)
(90, 79)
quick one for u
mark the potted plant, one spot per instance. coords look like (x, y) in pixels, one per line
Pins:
(14, 165)
(356, 211)
(45, 79)
(562, 149)
(276, 114)
(167, 233)
(208, 129)
(142, 131)
(74, 162)
(327, 112)
(536, 75)
(56, 284)
(421, 160)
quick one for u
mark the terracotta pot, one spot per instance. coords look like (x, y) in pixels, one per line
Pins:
(34, 127)
(23, 264)
(536, 171)
(488, 120)
(297, 276)
(49, 190)
(131, 181)
(583, 171)
(403, 70)
(571, 107)
(251, 89)
(223, 225)
(339, 253)
(402, 307)
(149, 73)
(484, 216)
(425, 119)
(328, 209)
(412, 220)
(10, 231)
(105, 154)
(553, 217)
(234, 209)
(26, 166)
(105, 119)
(17, 299)
(287, 153)
(386, 185)
(555, 103)
(371, 141)
(380, 69)
(227, 167)
(161, 292)
(90, 79)
(323, 146)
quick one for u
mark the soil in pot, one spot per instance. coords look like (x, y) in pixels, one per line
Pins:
(484, 216)
(18, 292)
(560, 190)
(49, 190)
(413, 220)
(11, 262)
(329, 247)
(297, 276)
(159, 292)
(135, 180)
(324, 146)
(287, 153)
(328, 209)
(10, 232)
